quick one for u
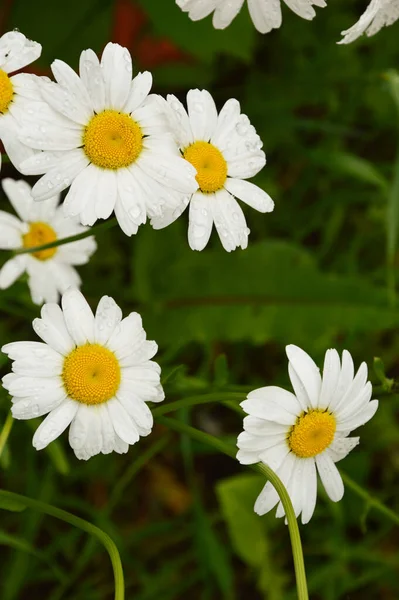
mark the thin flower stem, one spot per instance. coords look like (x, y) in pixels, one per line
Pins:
(72, 238)
(370, 500)
(231, 451)
(220, 397)
(63, 515)
(5, 432)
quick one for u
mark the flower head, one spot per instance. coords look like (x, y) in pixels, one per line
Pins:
(225, 151)
(93, 373)
(378, 14)
(50, 272)
(103, 135)
(295, 434)
(265, 14)
(16, 91)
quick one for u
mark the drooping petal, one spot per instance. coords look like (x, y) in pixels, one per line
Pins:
(54, 424)
(330, 477)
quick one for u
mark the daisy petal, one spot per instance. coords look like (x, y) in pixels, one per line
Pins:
(341, 447)
(78, 317)
(54, 424)
(249, 193)
(52, 329)
(307, 373)
(200, 220)
(202, 114)
(330, 477)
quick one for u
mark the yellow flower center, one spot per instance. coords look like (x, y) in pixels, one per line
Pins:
(39, 234)
(6, 91)
(112, 140)
(91, 374)
(312, 433)
(210, 164)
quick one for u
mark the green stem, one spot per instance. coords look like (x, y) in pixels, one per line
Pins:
(200, 399)
(370, 500)
(5, 432)
(63, 515)
(231, 451)
(72, 238)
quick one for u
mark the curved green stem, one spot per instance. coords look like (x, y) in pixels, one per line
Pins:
(5, 432)
(370, 500)
(199, 399)
(63, 515)
(231, 451)
(72, 238)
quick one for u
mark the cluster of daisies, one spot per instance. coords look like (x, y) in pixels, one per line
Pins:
(116, 148)
(267, 15)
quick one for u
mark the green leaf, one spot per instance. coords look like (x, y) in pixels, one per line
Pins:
(246, 529)
(271, 291)
(352, 165)
(200, 38)
(11, 504)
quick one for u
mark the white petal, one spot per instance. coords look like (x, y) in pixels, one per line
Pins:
(108, 316)
(123, 424)
(28, 350)
(78, 317)
(276, 395)
(330, 477)
(268, 497)
(11, 270)
(229, 221)
(341, 447)
(226, 122)
(61, 176)
(92, 77)
(138, 411)
(302, 8)
(265, 15)
(179, 121)
(127, 335)
(348, 387)
(62, 100)
(17, 51)
(116, 63)
(202, 114)
(359, 418)
(225, 13)
(260, 427)
(247, 441)
(247, 457)
(309, 489)
(355, 405)
(52, 329)
(37, 406)
(19, 194)
(331, 373)
(172, 171)
(247, 166)
(140, 87)
(71, 81)
(200, 220)
(54, 424)
(249, 193)
(307, 372)
(274, 456)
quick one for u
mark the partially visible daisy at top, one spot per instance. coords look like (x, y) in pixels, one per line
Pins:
(265, 14)
(52, 271)
(378, 14)
(16, 91)
(225, 150)
(299, 434)
(103, 135)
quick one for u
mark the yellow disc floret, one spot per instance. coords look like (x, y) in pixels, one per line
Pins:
(91, 374)
(112, 140)
(312, 433)
(210, 164)
(39, 234)
(6, 91)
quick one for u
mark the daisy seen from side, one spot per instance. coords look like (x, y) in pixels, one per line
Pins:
(265, 14)
(16, 91)
(103, 135)
(378, 14)
(225, 150)
(300, 434)
(50, 272)
(93, 372)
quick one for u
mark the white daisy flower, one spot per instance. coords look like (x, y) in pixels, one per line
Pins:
(16, 92)
(50, 272)
(105, 137)
(296, 433)
(225, 151)
(378, 14)
(92, 372)
(265, 14)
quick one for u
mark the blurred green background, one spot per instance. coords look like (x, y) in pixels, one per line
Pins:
(319, 272)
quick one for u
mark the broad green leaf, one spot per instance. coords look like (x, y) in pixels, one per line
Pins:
(248, 536)
(200, 38)
(271, 291)
(352, 165)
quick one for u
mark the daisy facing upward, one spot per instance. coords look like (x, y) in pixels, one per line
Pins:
(50, 272)
(295, 434)
(93, 372)
(225, 151)
(104, 136)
